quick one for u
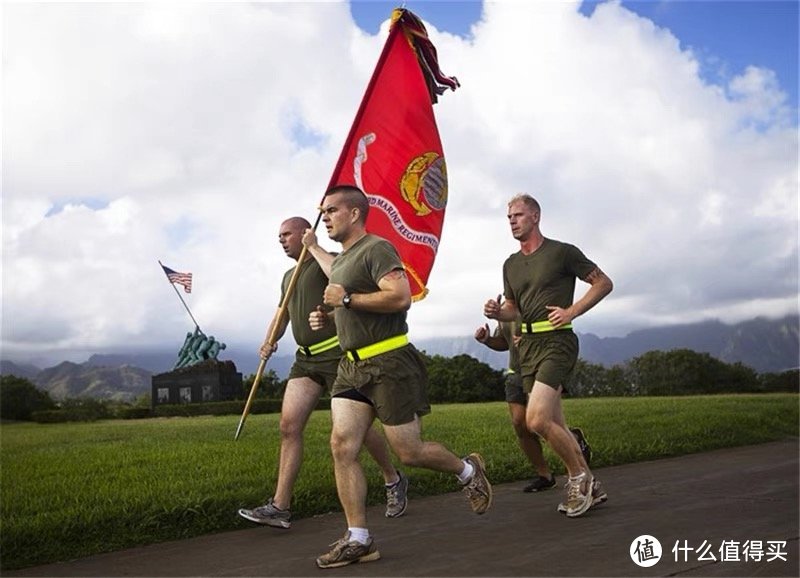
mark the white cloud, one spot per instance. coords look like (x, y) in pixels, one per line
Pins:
(188, 132)
(757, 92)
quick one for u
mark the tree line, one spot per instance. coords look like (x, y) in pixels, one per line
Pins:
(676, 372)
(464, 379)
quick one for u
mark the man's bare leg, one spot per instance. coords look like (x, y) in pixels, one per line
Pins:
(351, 421)
(299, 400)
(528, 442)
(377, 448)
(545, 417)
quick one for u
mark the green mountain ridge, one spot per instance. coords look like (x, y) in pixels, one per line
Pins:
(71, 380)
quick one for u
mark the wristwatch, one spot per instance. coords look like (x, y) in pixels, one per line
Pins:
(346, 300)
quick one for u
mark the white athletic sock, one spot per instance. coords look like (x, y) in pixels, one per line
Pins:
(466, 473)
(578, 477)
(360, 535)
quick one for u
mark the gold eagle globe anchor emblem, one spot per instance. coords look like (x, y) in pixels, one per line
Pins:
(424, 184)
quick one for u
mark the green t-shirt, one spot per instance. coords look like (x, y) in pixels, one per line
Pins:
(358, 270)
(307, 295)
(545, 277)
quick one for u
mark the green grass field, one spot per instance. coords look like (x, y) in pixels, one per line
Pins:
(72, 490)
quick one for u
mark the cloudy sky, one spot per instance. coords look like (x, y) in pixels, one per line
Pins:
(187, 132)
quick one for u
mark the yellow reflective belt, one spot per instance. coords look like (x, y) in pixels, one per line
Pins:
(510, 371)
(541, 326)
(374, 349)
(320, 347)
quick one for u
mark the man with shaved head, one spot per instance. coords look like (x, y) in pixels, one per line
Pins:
(313, 371)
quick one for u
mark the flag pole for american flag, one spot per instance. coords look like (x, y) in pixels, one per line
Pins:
(164, 269)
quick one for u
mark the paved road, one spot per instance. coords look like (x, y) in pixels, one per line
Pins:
(720, 498)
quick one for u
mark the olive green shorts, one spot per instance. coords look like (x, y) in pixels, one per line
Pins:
(514, 391)
(395, 382)
(548, 358)
(320, 368)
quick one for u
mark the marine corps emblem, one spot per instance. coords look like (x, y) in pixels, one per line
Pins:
(424, 183)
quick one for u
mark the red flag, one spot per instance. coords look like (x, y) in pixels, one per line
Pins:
(393, 152)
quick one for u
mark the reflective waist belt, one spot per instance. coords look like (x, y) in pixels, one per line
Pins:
(509, 371)
(320, 347)
(374, 349)
(541, 327)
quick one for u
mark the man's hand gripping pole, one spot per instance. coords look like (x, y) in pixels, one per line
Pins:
(272, 338)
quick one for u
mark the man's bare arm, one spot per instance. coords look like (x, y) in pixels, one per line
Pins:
(600, 286)
(393, 295)
(266, 350)
(324, 258)
(501, 310)
(495, 342)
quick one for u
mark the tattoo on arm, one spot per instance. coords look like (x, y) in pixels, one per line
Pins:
(594, 276)
(396, 274)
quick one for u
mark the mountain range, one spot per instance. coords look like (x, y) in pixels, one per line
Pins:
(766, 345)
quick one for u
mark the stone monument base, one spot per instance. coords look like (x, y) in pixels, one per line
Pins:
(210, 380)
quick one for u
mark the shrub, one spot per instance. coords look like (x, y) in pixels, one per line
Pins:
(226, 407)
(134, 412)
(786, 381)
(87, 408)
(19, 398)
(63, 415)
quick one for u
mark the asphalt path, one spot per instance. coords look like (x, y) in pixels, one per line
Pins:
(712, 513)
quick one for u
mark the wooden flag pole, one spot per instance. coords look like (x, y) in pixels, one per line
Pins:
(272, 338)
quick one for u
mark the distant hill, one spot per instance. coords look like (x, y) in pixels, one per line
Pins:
(766, 345)
(452, 346)
(154, 362)
(67, 379)
(25, 370)
(245, 357)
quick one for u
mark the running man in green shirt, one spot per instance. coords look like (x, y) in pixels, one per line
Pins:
(381, 375)
(313, 371)
(539, 287)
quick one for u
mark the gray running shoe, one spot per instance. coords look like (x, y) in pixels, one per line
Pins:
(579, 495)
(397, 497)
(268, 515)
(478, 489)
(344, 552)
(598, 493)
(598, 497)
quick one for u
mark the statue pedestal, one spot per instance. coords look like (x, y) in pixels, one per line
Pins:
(210, 380)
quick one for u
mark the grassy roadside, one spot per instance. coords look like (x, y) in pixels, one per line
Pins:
(72, 490)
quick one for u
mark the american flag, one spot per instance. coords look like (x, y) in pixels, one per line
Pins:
(184, 279)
